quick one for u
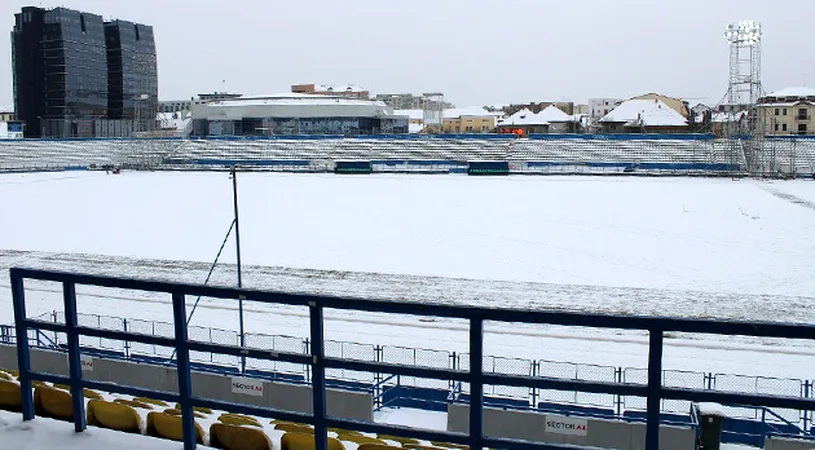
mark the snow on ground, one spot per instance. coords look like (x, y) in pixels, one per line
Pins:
(43, 433)
(697, 234)
(680, 247)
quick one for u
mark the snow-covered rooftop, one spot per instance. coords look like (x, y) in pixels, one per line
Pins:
(523, 117)
(290, 98)
(650, 113)
(795, 91)
(477, 111)
(553, 114)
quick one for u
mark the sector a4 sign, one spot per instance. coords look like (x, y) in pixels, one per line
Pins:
(566, 425)
(247, 386)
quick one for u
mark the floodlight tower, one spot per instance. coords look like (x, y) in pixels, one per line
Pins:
(744, 88)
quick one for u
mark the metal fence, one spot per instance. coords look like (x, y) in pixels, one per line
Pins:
(431, 358)
(318, 361)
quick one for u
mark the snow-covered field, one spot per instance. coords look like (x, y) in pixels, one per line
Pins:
(680, 247)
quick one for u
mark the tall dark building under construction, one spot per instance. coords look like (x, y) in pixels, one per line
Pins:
(78, 76)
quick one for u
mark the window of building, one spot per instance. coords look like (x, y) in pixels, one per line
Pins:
(138, 35)
(802, 128)
(785, 111)
(82, 23)
(777, 111)
(783, 127)
(776, 127)
(802, 113)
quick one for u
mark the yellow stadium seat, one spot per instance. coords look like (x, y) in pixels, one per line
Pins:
(115, 416)
(294, 428)
(236, 437)
(422, 447)
(93, 395)
(359, 439)
(342, 431)
(62, 386)
(53, 403)
(449, 445)
(175, 412)
(133, 403)
(5, 376)
(14, 373)
(300, 441)
(10, 398)
(200, 409)
(151, 401)
(238, 419)
(376, 447)
(402, 440)
(169, 426)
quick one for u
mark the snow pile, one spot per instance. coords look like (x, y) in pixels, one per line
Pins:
(42, 433)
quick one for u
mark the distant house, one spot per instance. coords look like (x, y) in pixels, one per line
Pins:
(559, 121)
(339, 90)
(415, 119)
(644, 116)
(788, 111)
(468, 120)
(523, 122)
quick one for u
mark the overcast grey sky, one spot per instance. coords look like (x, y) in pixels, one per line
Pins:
(475, 51)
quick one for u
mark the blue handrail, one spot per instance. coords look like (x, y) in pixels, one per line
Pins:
(654, 392)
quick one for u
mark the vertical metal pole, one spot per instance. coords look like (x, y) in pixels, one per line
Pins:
(183, 370)
(74, 364)
(318, 375)
(654, 389)
(238, 257)
(476, 383)
(23, 355)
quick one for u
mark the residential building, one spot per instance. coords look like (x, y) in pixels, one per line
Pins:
(523, 123)
(339, 90)
(174, 106)
(468, 120)
(789, 111)
(581, 110)
(68, 81)
(294, 114)
(415, 119)
(11, 129)
(406, 101)
(677, 104)
(549, 120)
(600, 107)
(566, 107)
(644, 116)
(132, 73)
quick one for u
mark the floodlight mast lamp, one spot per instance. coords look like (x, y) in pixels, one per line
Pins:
(745, 62)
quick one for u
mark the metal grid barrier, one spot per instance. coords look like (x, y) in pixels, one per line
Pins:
(439, 359)
(654, 391)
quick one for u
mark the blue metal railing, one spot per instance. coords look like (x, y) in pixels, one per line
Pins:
(654, 392)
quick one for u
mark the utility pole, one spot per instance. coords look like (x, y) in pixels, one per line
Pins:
(238, 255)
